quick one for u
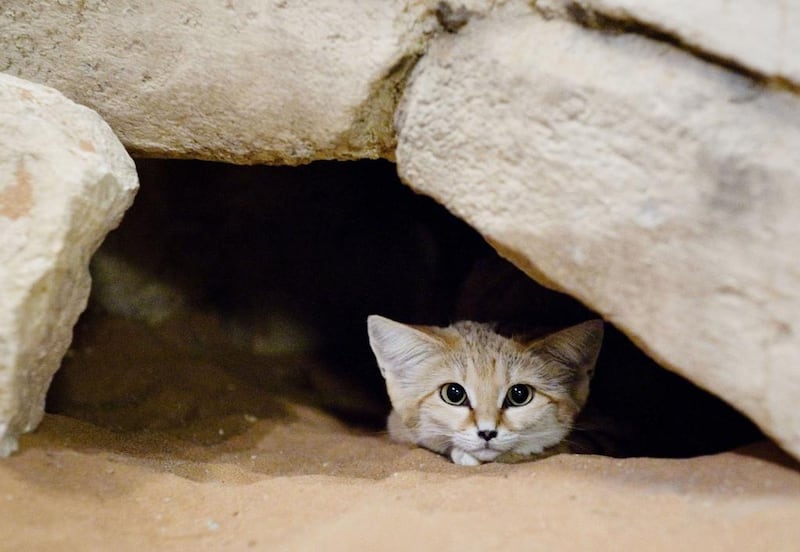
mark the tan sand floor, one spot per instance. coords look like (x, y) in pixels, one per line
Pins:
(303, 481)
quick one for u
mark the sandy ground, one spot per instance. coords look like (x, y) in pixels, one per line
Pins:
(169, 448)
(303, 481)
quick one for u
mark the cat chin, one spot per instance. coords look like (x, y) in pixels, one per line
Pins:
(473, 458)
(486, 454)
(462, 458)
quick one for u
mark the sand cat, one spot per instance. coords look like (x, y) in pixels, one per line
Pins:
(467, 392)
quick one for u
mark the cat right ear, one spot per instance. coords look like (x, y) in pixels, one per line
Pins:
(577, 346)
(400, 348)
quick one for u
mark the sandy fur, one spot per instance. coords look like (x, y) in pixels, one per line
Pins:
(416, 361)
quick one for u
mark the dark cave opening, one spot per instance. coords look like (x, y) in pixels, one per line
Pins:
(224, 274)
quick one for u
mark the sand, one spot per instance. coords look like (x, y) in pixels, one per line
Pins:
(305, 481)
(162, 446)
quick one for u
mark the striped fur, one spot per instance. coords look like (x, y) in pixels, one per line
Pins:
(417, 361)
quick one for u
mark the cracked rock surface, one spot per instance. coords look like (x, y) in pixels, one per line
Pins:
(652, 174)
(244, 82)
(65, 181)
(758, 36)
(660, 189)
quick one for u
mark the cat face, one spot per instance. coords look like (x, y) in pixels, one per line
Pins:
(475, 395)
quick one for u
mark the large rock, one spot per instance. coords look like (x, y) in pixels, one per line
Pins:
(659, 188)
(758, 35)
(245, 81)
(662, 190)
(65, 181)
(250, 81)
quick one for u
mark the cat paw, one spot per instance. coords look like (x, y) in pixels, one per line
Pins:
(462, 458)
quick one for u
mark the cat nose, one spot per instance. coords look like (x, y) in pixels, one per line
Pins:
(487, 435)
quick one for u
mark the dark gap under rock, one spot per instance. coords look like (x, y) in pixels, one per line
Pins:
(228, 291)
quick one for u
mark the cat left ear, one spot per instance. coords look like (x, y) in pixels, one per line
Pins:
(577, 346)
(399, 348)
(568, 363)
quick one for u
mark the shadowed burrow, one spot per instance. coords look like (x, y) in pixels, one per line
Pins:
(229, 292)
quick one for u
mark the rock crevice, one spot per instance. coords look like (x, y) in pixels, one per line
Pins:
(651, 173)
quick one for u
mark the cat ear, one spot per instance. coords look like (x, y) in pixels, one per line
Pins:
(576, 347)
(572, 353)
(400, 348)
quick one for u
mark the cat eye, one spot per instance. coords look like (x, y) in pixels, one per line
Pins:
(453, 393)
(519, 395)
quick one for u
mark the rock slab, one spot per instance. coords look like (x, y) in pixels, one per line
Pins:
(245, 81)
(660, 189)
(65, 181)
(757, 35)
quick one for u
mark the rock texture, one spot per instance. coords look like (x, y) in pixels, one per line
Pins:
(760, 36)
(646, 173)
(242, 81)
(247, 81)
(660, 189)
(65, 181)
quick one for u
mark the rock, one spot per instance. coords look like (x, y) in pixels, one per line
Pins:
(65, 181)
(759, 36)
(657, 187)
(284, 82)
(660, 189)
(245, 82)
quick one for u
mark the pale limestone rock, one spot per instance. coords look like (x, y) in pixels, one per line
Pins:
(680, 178)
(65, 181)
(660, 189)
(760, 35)
(246, 81)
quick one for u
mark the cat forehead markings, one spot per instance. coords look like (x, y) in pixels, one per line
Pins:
(483, 361)
(479, 341)
(417, 361)
(482, 350)
(479, 352)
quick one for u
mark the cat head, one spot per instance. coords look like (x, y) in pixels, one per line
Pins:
(467, 389)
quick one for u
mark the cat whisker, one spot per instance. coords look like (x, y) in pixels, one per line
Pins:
(448, 384)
